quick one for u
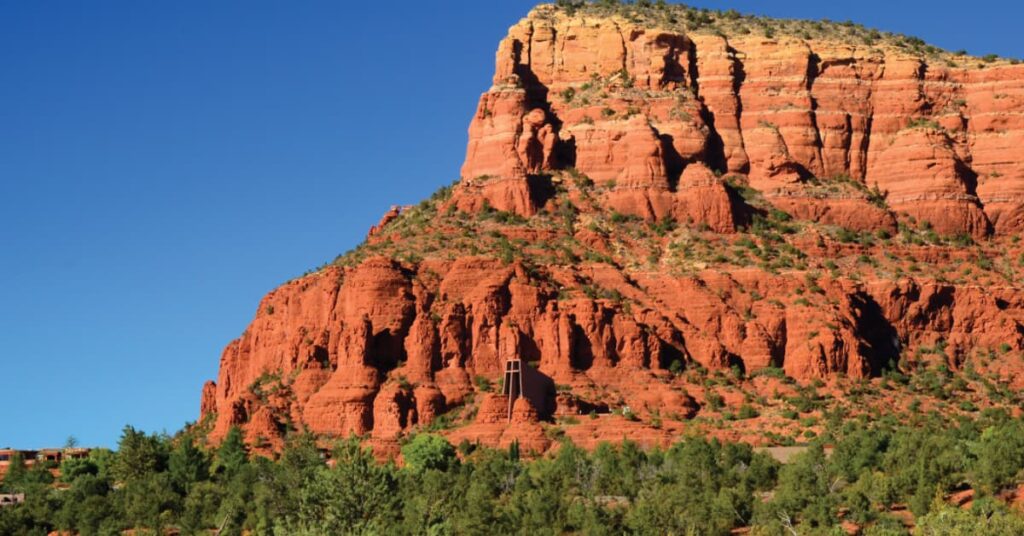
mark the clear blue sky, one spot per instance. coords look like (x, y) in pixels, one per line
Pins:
(165, 164)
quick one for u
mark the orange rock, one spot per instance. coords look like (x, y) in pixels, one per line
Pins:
(925, 178)
(665, 126)
(780, 109)
(388, 217)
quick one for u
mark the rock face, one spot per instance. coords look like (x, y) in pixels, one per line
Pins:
(636, 105)
(637, 202)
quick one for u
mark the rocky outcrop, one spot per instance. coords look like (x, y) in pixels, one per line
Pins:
(630, 104)
(926, 179)
(378, 349)
(638, 204)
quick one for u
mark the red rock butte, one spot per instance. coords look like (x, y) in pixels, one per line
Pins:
(651, 193)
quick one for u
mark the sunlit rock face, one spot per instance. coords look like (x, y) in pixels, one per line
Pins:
(597, 126)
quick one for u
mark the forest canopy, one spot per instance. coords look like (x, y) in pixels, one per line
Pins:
(879, 478)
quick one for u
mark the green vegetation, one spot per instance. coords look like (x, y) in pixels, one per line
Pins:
(920, 122)
(690, 19)
(770, 238)
(483, 384)
(697, 486)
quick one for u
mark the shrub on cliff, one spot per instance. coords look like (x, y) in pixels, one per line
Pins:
(570, 6)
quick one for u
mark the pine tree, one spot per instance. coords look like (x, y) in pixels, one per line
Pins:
(232, 454)
(187, 465)
(16, 472)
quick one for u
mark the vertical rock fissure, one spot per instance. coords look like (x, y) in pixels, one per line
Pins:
(813, 70)
(739, 76)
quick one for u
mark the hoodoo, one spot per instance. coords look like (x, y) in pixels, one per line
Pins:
(656, 203)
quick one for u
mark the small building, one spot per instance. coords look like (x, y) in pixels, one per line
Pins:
(11, 499)
(50, 455)
(56, 456)
(28, 458)
(6, 455)
(76, 453)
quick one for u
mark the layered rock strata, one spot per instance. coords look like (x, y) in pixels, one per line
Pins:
(804, 150)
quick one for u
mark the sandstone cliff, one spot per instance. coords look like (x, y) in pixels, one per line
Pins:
(637, 103)
(645, 202)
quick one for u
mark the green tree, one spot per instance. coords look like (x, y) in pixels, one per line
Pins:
(279, 490)
(698, 487)
(16, 472)
(37, 475)
(104, 459)
(431, 499)
(806, 493)
(237, 505)
(1000, 456)
(187, 465)
(87, 507)
(149, 501)
(860, 450)
(513, 450)
(199, 509)
(138, 455)
(492, 475)
(72, 468)
(923, 462)
(232, 454)
(357, 495)
(985, 518)
(429, 452)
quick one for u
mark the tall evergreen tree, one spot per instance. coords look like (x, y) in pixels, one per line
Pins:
(232, 454)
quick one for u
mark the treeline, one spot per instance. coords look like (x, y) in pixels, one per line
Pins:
(697, 486)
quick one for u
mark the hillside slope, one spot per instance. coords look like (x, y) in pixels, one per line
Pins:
(677, 219)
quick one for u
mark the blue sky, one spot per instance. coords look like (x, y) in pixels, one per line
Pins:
(165, 164)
